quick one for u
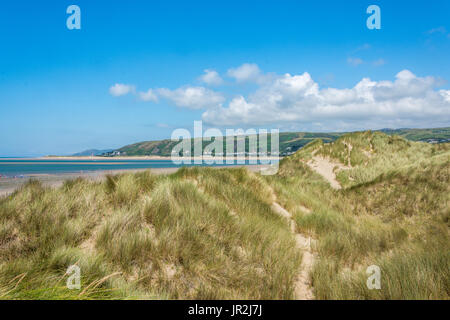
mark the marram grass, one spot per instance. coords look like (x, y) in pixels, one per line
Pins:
(205, 233)
(198, 234)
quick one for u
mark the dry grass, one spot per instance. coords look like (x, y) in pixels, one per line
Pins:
(200, 233)
(393, 213)
(206, 233)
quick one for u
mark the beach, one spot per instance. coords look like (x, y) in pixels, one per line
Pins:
(204, 157)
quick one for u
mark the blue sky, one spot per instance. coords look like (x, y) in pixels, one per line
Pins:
(55, 83)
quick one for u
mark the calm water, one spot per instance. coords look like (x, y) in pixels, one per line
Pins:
(23, 166)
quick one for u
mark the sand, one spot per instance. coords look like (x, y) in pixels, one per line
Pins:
(302, 287)
(327, 169)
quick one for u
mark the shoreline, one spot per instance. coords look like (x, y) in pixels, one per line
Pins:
(235, 158)
(9, 185)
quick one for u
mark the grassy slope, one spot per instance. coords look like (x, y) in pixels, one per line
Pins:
(393, 212)
(441, 134)
(200, 233)
(210, 233)
(289, 142)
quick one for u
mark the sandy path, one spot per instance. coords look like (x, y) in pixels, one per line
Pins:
(325, 168)
(302, 286)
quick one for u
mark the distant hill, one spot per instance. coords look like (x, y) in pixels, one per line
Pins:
(90, 152)
(290, 142)
(436, 135)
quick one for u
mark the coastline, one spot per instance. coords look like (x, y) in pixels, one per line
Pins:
(132, 158)
(9, 185)
(90, 158)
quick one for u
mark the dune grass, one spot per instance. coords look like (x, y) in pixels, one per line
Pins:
(393, 213)
(200, 233)
(204, 233)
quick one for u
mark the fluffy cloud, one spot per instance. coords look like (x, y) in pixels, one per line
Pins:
(192, 97)
(289, 100)
(187, 96)
(409, 100)
(211, 77)
(149, 95)
(445, 94)
(246, 72)
(119, 89)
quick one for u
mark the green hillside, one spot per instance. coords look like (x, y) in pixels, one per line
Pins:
(439, 135)
(290, 142)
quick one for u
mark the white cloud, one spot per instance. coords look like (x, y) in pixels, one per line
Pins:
(445, 94)
(192, 97)
(149, 95)
(211, 77)
(246, 72)
(288, 99)
(354, 61)
(119, 89)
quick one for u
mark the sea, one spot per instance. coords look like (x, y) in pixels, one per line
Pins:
(23, 167)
